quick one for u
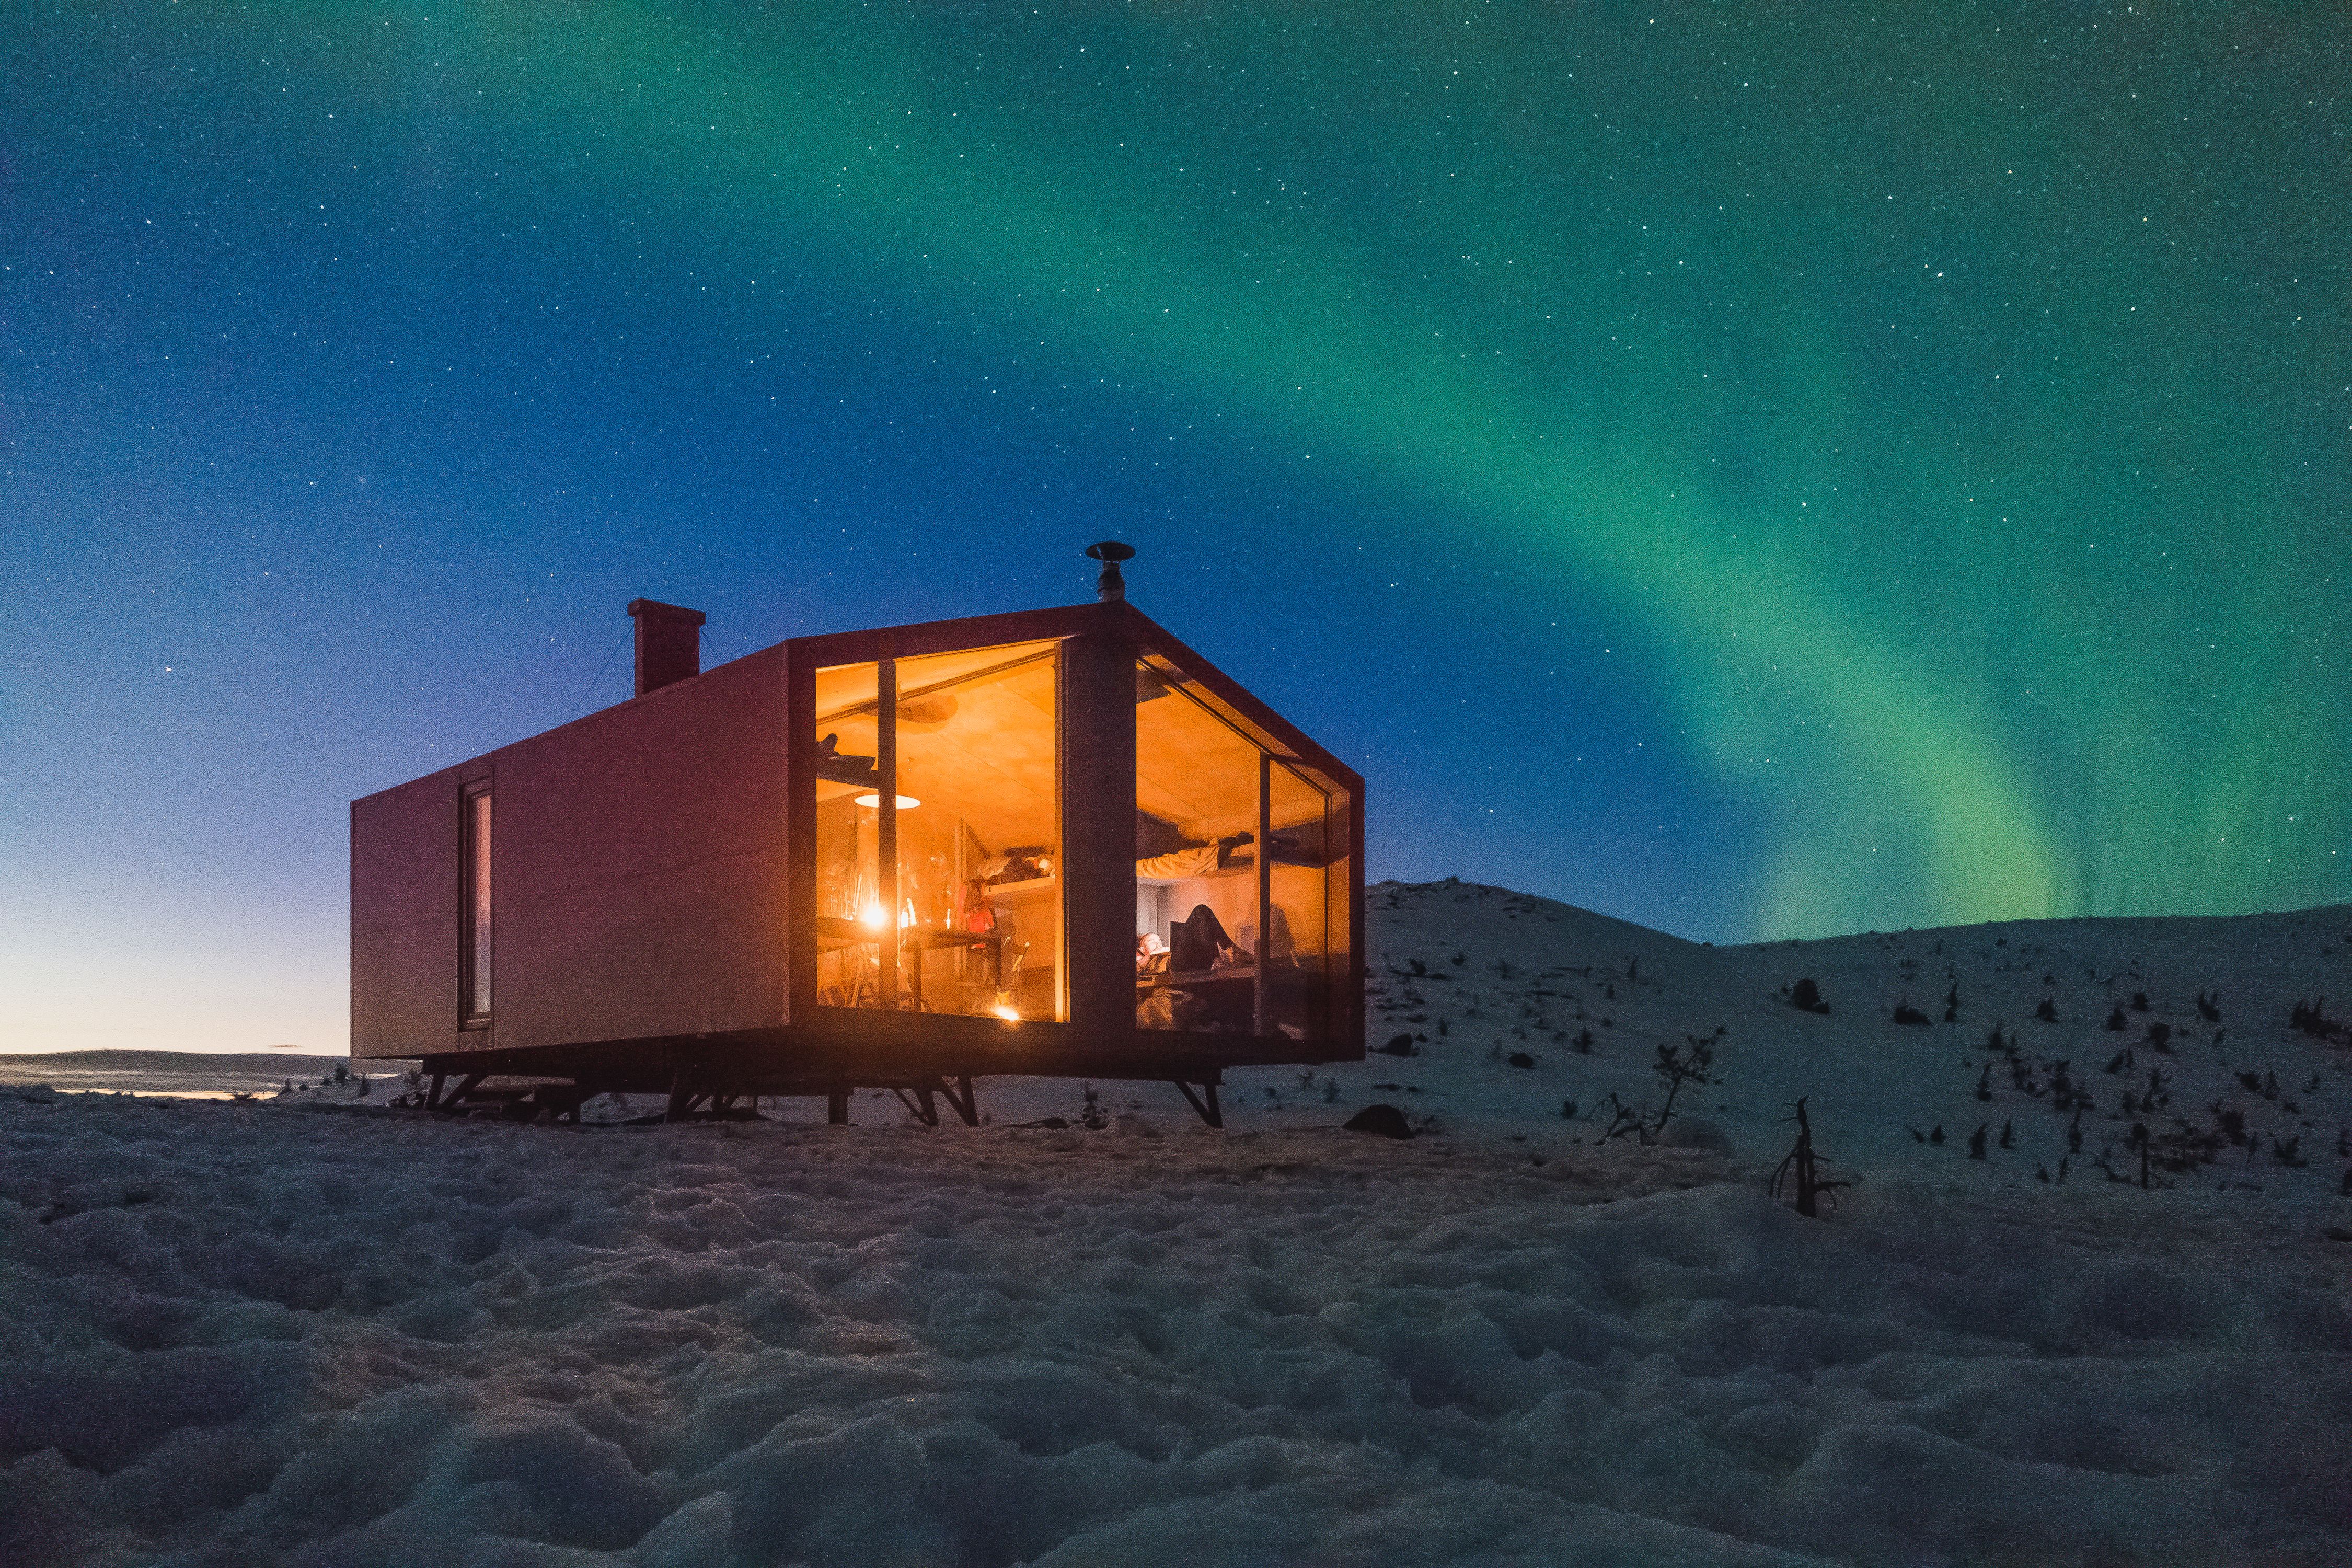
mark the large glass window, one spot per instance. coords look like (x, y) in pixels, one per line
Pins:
(1233, 853)
(938, 833)
(474, 983)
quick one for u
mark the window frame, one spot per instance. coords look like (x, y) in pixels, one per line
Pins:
(477, 898)
(886, 652)
(1189, 678)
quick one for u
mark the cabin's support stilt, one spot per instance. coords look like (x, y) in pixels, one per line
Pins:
(561, 1102)
(1205, 1102)
(920, 1102)
(837, 1107)
(433, 1095)
(456, 1097)
(960, 1100)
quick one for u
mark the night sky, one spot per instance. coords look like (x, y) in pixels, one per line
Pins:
(1758, 471)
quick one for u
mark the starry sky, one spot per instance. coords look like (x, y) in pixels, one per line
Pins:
(1756, 471)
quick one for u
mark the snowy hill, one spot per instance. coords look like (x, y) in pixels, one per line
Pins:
(274, 1333)
(1468, 976)
(1474, 973)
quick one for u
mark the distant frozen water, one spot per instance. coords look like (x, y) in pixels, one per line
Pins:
(185, 1074)
(272, 1333)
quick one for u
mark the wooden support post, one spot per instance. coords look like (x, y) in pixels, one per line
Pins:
(836, 1105)
(1098, 865)
(919, 1102)
(1261, 949)
(466, 1086)
(681, 1103)
(960, 1097)
(886, 831)
(1205, 1102)
(433, 1095)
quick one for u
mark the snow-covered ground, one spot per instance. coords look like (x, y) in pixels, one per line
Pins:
(276, 1333)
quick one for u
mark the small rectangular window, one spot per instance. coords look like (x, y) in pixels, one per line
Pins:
(474, 981)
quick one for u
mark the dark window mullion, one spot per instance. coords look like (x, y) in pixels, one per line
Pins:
(886, 830)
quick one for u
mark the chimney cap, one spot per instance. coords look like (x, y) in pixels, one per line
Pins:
(661, 612)
(1110, 587)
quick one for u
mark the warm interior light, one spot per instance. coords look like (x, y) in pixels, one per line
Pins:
(873, 797)
(871, 916)
(1007, 1011)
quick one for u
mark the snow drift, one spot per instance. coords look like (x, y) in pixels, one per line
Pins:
(276, 1333)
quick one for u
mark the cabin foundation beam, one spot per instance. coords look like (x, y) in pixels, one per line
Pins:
(837, 1107)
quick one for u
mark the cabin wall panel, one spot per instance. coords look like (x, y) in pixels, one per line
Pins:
(1098, 836)
(690, 950)
(405, 919)
(639, 874)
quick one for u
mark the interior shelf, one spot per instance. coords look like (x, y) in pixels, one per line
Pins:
(1024, 893)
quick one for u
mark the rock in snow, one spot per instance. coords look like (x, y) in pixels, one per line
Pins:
(1385, 1119)
(252, 1333)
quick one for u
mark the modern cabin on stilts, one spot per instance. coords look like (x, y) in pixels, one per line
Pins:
(901, 860)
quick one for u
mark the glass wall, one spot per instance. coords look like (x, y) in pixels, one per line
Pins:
(938, 833)
(1235, 852)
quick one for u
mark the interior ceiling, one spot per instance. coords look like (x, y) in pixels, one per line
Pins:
(993, 762)
(844, 691)
(984, 748)
(1190, 768)
(971, 744)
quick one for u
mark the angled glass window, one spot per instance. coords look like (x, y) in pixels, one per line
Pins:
(1238, 852)
(1196, 892)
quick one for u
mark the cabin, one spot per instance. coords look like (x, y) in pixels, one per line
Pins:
(1053, 842)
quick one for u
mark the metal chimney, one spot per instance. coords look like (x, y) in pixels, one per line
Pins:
(669, 643)
(1111, 587)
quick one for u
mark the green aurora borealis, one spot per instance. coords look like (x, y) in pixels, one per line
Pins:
(1869, 568)
(1925, 426)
